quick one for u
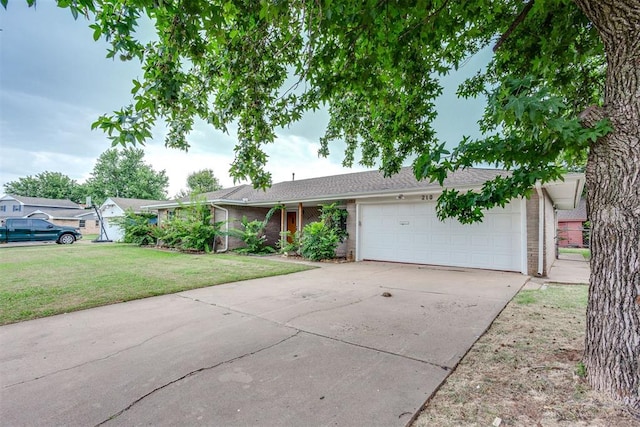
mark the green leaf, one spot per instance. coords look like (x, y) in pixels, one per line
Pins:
(97, 31)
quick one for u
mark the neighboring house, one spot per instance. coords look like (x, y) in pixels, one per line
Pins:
(571, 226)
(58, 211)
(84, 219)
(114, 208)
(20, 206)
(394, 219)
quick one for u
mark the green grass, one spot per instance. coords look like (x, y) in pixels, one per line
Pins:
(563, 297)
(39, 281)
(586, 253)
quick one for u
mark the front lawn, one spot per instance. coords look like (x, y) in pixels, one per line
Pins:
(585, 252)
(39, 281)
(526, 370)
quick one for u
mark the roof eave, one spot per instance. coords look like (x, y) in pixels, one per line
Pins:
(566, 193)
(346, 196)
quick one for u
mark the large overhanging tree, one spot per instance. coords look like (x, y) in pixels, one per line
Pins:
(564, 83)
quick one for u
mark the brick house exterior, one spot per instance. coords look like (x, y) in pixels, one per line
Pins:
(393, 218)
(571, 226)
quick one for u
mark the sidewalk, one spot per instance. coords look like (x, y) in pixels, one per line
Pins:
(569, 268)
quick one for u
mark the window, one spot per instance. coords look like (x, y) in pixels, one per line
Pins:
(20, 223)
(83, 223)
(41, 224)
(97, 223)
(3, 208)
(17, 208)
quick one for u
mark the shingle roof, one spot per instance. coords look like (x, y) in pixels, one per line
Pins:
(65, 213)
(41, 201)
(134, 204)
(577, 214)
(223, 193)
(349, 185)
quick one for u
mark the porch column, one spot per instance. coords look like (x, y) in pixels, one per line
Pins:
(283, 224)
(300, 218)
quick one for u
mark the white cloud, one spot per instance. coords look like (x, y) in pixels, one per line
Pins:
(179, 164)
(18, 163)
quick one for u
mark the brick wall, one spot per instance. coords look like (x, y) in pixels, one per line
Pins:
(90, 226)
(236, 213)
(532, 234)
(310, 214)
(549, 241)
(352, 226)
(550, 228)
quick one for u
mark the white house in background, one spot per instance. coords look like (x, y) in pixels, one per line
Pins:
(115, 207)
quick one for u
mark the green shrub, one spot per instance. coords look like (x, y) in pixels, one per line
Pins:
(321, 239)
(137, 228)
(335, 218)
(252, 233)
(191, 229)
(287, 247)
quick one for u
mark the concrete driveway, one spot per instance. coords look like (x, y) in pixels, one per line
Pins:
(321, 347)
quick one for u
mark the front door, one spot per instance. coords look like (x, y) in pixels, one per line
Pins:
(291, 226)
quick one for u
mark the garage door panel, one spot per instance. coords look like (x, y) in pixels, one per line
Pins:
(411, 232)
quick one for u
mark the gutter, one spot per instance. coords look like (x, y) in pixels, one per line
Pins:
(540, 228)
(433, 189)
(348, 196)
(226, 224)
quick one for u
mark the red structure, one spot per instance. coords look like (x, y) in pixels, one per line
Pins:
(571, 226)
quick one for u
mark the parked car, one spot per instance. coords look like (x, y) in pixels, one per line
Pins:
(37, 230)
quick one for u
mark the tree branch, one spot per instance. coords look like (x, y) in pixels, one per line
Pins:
(514, 24)
(591, 115)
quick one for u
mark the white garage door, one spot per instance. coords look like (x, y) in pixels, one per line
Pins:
(412, 233)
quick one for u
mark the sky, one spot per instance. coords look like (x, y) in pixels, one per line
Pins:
(55, 81)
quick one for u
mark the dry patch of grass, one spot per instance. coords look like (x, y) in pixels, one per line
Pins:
(526, 370)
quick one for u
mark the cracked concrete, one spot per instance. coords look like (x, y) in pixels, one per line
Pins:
(206, 368)
(314, 348)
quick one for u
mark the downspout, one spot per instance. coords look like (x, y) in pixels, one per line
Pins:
(540, 228)
(226, 225)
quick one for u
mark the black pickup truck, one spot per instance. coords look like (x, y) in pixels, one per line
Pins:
(34, 230)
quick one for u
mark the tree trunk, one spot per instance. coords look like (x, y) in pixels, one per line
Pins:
(612, 344)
